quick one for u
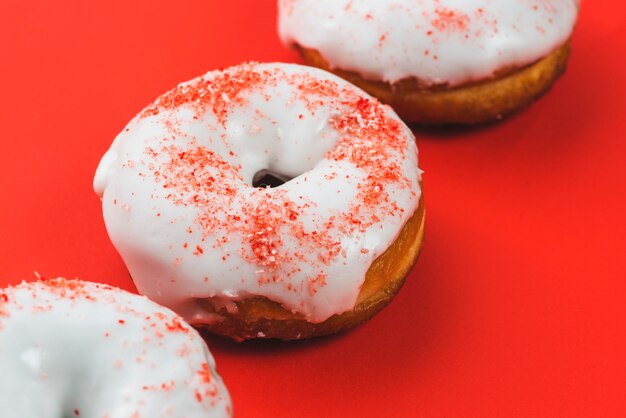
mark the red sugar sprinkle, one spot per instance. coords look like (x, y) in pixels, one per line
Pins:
(220, 93)
(450, 20)
(175, 325)
(376, 135)
(4, 299)
(313, 91)
(205, 373)
(317, 282)
(193, 172)
(168, 385)
(77, 412)
(263, 224)
(121, 321)
(71, 289)
(548, 6)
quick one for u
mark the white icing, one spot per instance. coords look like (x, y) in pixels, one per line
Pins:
(70, 349)
(158, 236)
(435, 41)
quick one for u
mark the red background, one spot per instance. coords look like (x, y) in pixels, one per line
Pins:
(517, 306)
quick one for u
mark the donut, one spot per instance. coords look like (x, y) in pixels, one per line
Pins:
(70, 348)
(265, 201)
(437, 61)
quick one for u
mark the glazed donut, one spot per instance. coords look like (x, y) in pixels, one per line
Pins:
(437, 61)
(319, 253)
(70, 348)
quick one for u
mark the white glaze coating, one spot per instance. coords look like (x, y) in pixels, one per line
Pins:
(79, 349)
(436, 41)
(179, 206)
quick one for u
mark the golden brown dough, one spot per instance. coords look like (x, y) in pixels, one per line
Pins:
(506, 93)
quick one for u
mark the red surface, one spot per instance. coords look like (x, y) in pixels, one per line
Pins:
(517, 306)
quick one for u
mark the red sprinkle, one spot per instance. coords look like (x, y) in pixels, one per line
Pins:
(175, 325)
(450, 20)
(316, 283)
(70, 289)
(205, 373)
(219, 94)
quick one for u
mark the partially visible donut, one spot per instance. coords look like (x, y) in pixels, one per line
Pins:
(318, 254)
(437, 61)
(70, 348)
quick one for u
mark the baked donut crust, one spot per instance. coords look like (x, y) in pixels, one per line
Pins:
(263, 318)
(181, 204)
(506, 93)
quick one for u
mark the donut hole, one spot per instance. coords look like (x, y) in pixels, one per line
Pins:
(267, 178)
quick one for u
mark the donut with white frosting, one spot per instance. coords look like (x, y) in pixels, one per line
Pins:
(436, 61)
(181, 206)
(70, 348)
